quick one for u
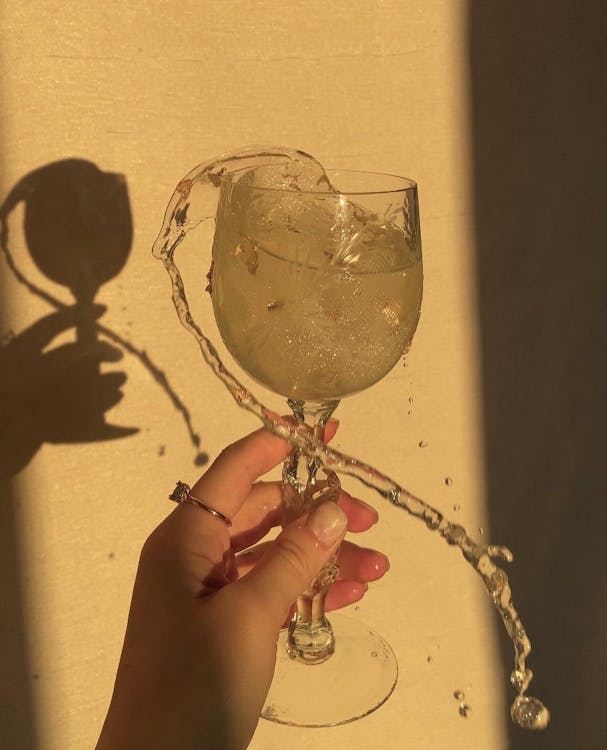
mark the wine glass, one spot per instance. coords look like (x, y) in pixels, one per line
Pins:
(317, 292)
(316, 282)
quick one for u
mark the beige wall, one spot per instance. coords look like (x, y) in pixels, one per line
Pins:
(148, 90)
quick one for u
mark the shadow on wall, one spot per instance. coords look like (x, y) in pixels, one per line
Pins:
(539, 120)
(78, 230)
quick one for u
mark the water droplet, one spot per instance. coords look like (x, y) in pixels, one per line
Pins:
(464, 710)
(429, 659)
(497, 581)
(410, 399)
(448, 481)
(269, 712)
(201, 459)
(423, 444)
(481, 531)
(520, 680)
(529, 713)
(455, 534)
(457, 507)
(110, 555)
(374, 654)
(458, 695)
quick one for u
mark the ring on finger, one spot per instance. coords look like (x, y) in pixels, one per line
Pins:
(182, 494)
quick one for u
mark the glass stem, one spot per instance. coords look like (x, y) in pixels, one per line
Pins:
(306, 484)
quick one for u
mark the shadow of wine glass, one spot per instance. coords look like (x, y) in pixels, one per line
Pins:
(78, 230)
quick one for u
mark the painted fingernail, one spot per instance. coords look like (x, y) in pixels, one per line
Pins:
(331, 427)
(368, 507)
(328, 523)
(380, 567)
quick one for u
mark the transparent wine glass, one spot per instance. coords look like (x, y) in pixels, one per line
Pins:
(316, 283)
(317, 294)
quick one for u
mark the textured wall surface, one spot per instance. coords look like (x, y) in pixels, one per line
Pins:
(124, 99)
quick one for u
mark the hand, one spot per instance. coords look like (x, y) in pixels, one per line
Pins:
(200, 645)
(54, 394)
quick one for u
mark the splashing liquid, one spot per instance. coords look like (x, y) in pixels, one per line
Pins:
(526, 711)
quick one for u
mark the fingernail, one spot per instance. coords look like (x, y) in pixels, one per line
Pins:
(369, 508)
(331, 428)
(328, 523)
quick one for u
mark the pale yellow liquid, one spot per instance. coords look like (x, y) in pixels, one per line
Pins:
(314, 333)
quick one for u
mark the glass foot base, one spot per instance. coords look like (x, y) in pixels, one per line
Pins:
(356, 680)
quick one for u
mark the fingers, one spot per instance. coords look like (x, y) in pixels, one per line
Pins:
(361, 563)
(228, 481)
(258, 515)
(360, 515)
(343, 593)
(262, 511)
(201, 540)
(294, 559)
(356, 564)
(43, 331)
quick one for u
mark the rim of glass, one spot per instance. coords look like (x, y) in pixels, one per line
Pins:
(407, 182)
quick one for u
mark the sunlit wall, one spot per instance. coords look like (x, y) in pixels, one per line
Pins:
(104, 108)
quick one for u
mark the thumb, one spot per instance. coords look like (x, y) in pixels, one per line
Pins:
(296, 557)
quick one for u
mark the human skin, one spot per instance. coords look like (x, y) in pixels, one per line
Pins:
(208, 603)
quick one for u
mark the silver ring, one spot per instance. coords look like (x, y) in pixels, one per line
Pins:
(181, 494)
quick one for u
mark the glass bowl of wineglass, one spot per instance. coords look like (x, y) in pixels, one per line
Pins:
(316, 286)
